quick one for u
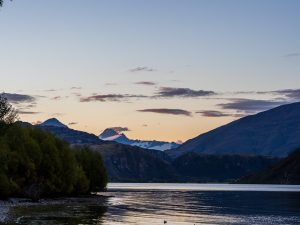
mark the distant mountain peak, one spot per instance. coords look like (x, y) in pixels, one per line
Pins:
(53, 122)
(113, 134)
(109, 134)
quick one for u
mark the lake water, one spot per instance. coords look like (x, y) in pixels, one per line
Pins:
(176, 204)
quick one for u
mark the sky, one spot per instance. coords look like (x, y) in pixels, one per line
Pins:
(161, 69)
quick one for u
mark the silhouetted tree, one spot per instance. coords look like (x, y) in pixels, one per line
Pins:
(8, 114)
(1, 2)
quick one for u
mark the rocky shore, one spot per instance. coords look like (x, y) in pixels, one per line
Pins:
(7, 206)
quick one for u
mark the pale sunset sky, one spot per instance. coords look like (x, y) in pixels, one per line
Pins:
(165, 69)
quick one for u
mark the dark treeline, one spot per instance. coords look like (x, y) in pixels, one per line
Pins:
(33, 163)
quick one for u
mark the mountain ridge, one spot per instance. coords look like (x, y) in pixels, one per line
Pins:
(110, 134)
(274, 132)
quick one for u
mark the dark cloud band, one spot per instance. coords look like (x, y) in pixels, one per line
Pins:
(109, 97)
(251, 105)
(142, 69)
(168, 92)
(168, 111)
(18, 98)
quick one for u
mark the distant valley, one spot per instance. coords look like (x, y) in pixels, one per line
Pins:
(238, 149)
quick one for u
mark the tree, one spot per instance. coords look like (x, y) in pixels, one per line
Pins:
(8, 114)
(1, 2)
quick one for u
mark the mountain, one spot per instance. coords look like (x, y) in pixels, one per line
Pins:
(111, 134)
(287, 171)
(61, 131)
(53, 122)
(275, 132)
(126, 163)
(194, 167)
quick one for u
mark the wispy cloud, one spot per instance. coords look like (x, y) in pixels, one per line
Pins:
(292, 55)
(51, 90)
(142, 69)
(27, 112)
(72, 123)
(216, 113)
(57, 114)
(150, 83)
(168, 111)
(110, 97)
(213, 113)
(250, 105)
(76, 88)
(56, 98)
(18, 98)
(293, 94)
(182, 92)
(120, 129)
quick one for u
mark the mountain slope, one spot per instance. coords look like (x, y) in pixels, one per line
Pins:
(287, 171)
(132, 164)
(53, 122)
(275, 132)
(194, 167)
(71, 136)
(110, 134)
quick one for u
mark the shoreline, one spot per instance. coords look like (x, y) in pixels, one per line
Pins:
(7, 205)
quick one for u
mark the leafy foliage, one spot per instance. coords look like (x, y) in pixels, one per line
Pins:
(33, 163)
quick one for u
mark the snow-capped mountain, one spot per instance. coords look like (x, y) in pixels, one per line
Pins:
(111, 134)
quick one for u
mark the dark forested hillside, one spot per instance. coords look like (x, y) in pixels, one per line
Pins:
(33, 163)
(194, 167)
(287, 171)
(132, 164)
(126, 163)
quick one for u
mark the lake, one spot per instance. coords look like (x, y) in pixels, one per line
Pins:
(176, 204)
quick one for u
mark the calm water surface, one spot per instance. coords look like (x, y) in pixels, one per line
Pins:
(174, 203)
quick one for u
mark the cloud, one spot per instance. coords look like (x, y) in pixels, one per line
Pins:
(37, 122)
(168, 111)
(109, 97)
(150, 83)
(291, 55)
(76, 88)
(213, 113)
(182, 92)
(27, 112)
(72, 123)
(110, 84)
(18, 98)
(251, 105)
(57, 114)
(76, 94)
(56, 98)
(142, 69)
(51, 90)
(293, 94)
(120, 129)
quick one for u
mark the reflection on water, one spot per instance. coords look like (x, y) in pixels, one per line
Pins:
(156, 204)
